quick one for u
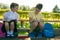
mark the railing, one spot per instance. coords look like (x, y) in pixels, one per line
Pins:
(25, 29)
(22, 21)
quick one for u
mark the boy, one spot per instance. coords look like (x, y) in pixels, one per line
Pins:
(10, 19)
(36, 19)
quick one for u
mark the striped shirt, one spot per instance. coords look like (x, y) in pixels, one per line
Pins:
(8, 16)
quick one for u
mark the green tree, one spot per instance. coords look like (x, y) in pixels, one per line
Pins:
(3, 6)
(56, 9)
(32, 9)
(24, 8)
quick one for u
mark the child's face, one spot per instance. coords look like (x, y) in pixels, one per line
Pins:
(15, 8)
(37, 10)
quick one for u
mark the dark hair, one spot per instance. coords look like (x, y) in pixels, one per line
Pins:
(13, 5)
(39, 6)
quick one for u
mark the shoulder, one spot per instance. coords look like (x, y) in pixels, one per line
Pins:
(17, 14)
(40, 13)
(6, 13)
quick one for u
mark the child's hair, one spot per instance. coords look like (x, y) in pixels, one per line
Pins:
(13, 5)
(39, 6)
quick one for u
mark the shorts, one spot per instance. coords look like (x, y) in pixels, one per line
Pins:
(31, 23)
(36, 30)
(15, 24)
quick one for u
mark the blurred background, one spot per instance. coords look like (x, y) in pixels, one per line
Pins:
(50, 11)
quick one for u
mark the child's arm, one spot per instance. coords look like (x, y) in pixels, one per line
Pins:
(5, 17)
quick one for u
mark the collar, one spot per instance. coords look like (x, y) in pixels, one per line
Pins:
(12, 12)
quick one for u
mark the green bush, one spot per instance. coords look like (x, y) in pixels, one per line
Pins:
(27, 25)
(18, 24)
(56, 25)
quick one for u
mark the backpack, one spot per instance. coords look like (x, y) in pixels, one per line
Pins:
(2, 34)
(48, 30)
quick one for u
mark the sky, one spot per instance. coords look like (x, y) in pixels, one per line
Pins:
(48, 5)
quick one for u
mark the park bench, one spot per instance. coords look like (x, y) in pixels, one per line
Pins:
(57, 31)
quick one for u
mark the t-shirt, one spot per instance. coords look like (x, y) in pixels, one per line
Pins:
(11, 16)
(39, 16)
